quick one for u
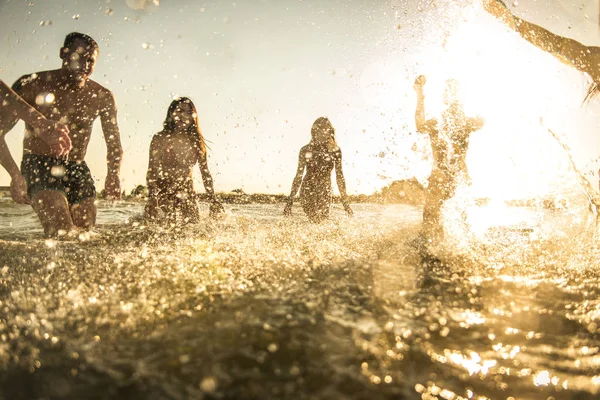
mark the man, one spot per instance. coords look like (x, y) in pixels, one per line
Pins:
(449, 144)
(55, 134)
(62, 189)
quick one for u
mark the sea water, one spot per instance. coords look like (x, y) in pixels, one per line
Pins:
(258, 306)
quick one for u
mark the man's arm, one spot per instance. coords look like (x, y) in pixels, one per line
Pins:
(114, 151)
(13, 108)
(423, 125)
(297, 181)
(566, 50)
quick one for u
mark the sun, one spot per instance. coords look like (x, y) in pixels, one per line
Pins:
(513, 86)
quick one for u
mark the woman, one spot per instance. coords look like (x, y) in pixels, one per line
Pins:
(173, 153)
(449, 145)
(319, 157)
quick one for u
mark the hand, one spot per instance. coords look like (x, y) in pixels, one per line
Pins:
(498, 9)
(55, 134)
(215, 209)
(18, 190)
(287, 211)
(348, 210)
(420, 82)
(112, 186)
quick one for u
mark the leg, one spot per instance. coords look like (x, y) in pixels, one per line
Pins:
(84, 213)
(432, 210)
(53, 211)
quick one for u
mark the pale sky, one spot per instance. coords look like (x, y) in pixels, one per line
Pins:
(261, 71)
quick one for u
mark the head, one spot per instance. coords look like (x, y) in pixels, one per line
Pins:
(323, 133)
(183, 116)
(79, 54)
(451, 92)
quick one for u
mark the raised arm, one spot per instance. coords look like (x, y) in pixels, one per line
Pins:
(423, 125)
(114, 151)
(297, 181)
(566, 50)
(341, 182)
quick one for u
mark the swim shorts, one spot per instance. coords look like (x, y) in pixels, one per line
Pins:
(72, 178)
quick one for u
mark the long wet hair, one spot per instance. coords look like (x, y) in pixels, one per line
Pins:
(319, 124)
(194, 128)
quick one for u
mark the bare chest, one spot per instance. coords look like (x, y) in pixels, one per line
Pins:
(77, 108)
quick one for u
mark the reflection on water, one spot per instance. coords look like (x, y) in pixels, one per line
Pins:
(257, 306)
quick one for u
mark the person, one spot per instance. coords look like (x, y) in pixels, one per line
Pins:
(584, 58)
(569, 51)
(449, 145)
(55, 134)
(319, 158)
(174, 152)
(61, 188)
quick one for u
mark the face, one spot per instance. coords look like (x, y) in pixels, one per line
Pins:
(324, 133)
(183, 115)
(79, 59)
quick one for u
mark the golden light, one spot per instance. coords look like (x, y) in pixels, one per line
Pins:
(512, 85)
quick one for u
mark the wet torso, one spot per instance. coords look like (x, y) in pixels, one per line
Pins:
(176, 158)
(77, 107)
(319, 165)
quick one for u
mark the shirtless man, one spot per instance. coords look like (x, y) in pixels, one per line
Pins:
(62, 189)
(55, 134)
(449, 145)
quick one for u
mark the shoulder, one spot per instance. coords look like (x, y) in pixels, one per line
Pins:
(31, 81)
(104, 95)
(159, 136)
(305, 149)
(430, 126)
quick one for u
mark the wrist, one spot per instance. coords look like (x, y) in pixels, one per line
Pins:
(14, 174)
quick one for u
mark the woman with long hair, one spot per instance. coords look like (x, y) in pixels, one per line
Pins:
(174, 152)
(318, 158)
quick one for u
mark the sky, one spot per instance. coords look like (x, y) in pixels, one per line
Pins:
(261, 71)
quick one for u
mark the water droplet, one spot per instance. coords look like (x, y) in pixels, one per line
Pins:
(208, 385)
(57, 171)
